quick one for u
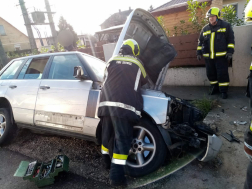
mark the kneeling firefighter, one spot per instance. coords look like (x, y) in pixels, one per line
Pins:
(216, 44)
(120, 107)
(248, 133)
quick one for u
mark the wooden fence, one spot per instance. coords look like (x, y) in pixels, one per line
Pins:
(186, 47)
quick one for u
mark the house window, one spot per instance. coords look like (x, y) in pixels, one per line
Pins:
(2, 31)
(17, 47)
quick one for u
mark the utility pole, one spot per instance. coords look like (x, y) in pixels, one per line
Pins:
(52, 26)
(28, 25)
(3, 58)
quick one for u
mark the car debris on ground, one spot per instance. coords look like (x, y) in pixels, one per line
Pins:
(230, 137)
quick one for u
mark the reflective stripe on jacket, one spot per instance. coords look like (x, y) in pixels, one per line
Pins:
(216, 41)
(121, 93)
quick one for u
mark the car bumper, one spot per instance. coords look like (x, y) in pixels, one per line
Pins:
(213, 147)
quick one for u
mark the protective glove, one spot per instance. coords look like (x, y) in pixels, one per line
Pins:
(199, 57)
(229, 56)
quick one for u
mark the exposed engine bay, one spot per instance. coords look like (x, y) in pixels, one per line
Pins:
(186, 126)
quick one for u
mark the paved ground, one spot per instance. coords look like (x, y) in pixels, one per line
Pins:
(228, 171)
(231, 172)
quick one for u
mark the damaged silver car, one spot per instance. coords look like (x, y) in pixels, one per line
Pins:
(59, 93)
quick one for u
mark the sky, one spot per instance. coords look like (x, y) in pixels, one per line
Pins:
(84, 15)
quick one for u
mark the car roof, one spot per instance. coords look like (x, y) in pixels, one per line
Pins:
(50, 54)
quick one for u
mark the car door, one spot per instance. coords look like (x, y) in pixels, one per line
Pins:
(9, 74)
(23, 89)
(62, 99)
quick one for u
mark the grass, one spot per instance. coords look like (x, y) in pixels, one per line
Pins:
(204, 104)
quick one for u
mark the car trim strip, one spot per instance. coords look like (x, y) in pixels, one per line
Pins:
(120, 105)
(92, 103)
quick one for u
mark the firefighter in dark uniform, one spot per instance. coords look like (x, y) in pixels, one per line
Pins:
(216, 44)
(120, 107)
(248, 133)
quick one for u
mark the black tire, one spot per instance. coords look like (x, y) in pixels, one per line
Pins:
(154, 159)
(9, 129)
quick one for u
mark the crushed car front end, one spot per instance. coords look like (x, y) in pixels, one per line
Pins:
(178, 124)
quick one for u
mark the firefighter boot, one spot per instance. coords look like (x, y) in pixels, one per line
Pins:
(116, 176)
(224, 95)
(106, 161)
(214, 89)
(122, 183)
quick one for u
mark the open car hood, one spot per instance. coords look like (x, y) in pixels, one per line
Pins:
(156, 52)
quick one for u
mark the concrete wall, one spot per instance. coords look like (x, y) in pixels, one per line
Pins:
(237, 73)
(241, 4)
(13, 37)
(108, 50)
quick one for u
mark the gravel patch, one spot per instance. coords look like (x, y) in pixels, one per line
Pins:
(85, 157)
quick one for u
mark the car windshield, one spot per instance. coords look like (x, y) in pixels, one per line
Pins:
(96, 65)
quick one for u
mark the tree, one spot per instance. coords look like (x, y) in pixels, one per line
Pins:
(229, 15)
(150, 9)
(63, 25)
(197, 14)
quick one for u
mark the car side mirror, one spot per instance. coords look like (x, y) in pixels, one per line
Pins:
(78, 73)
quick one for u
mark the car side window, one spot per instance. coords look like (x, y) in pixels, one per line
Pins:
(34, 68)
(63, 67)
(96, 65)
(10, 72)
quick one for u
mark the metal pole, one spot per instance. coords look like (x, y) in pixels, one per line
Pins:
(3, 57)
(52, 26)
(28, 25)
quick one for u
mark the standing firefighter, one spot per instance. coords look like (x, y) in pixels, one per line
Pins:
(248, 133)
(120, 107)
(216, 44)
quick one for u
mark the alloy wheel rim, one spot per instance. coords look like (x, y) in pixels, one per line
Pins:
(2, 125)
(143, 148)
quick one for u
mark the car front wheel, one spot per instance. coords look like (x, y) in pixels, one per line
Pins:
(148, 149)
(7, 129)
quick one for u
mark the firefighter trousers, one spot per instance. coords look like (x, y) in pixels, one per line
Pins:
(217, 73)
(248, 181)
(119, 132)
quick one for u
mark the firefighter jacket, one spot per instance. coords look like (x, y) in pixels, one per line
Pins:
(216, 41)
(121, 93)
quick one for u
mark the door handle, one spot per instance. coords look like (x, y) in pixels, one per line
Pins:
(12, 86)
(44, 87)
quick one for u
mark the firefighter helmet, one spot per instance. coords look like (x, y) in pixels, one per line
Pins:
(248, 12)
(214, 11)
(132, 45)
